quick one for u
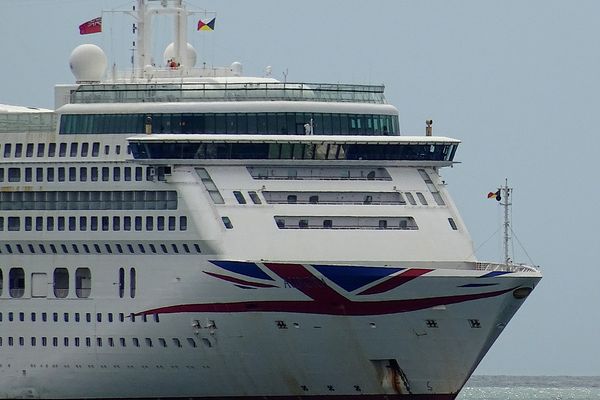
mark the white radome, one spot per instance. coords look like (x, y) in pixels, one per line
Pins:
(191, 54)
(88, 63)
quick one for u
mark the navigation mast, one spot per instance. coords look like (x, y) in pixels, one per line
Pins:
(506, 192)
(143, 18)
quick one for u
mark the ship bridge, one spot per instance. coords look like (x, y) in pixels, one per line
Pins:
(408, 150)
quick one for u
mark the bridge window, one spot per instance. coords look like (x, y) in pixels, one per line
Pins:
(231, 123)
(306, 151)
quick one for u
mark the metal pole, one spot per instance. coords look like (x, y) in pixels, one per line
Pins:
(506, 192)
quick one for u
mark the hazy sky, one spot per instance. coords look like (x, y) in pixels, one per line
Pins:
(516, 81)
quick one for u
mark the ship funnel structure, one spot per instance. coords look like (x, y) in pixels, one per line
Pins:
(88, 63)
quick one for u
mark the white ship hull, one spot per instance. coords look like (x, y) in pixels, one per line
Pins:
(292, 332)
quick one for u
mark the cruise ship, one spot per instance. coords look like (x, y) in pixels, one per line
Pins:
(182, 232)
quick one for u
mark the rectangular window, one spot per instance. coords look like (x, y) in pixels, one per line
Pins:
(14, 174)
(40, 149)
(452, 224)
(84, 149)
(149, 223)
(51, 149)
(138, 223)
(105, 174)
(73, 151)
(239, 197)
(29, 150)
(254, 197)
(72, 174)
(171, 223)
(18, 149)
(14, 223)
(28, 174)
(62, 150)
(127, 173)
(50, 174)
(94, 174)
(83, 174)
(127, 223)
(7, 149)
(39, 174)
(95, 149)
(227, 222)
(183, 223)
(61, 174)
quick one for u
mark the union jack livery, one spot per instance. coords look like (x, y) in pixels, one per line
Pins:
(175, 232)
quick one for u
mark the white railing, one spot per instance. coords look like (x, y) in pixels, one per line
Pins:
(485, 266)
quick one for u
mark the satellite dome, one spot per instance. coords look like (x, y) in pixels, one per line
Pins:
(236, 68)
(88, 63)
(191, 54)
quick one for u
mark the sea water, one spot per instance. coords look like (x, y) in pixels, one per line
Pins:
(531, 388)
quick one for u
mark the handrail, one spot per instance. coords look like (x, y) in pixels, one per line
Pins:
(251, 91)
(486, 266)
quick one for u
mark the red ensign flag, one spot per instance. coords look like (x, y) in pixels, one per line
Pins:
(92, 26)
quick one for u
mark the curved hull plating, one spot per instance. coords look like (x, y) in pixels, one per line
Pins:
(264, 330)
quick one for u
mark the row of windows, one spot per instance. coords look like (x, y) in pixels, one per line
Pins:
(77, 317)
(292, 151)
(396, 223)
(16, 283)
(57, 149)
(75, 174)
(242, 200)
(97, 341)
(363, 198)
(98, 248)
(93, 223)
(60, 282)
(89, 200)
(230, 123)
(320, 173)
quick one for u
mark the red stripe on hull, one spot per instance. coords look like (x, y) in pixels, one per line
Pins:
(341, 306)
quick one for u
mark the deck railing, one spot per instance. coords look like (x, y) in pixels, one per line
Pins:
(483, 266)
(262, 91)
